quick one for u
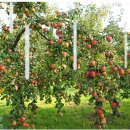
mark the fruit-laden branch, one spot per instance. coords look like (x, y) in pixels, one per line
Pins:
(17, 39)
(43, 35)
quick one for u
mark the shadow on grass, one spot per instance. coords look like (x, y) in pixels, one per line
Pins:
(76, 117)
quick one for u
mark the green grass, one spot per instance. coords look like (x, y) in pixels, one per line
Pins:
(76, 117)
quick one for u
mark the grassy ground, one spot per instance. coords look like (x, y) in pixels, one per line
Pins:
(76, 117)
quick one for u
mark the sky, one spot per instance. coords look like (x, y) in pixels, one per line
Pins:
(65, 4)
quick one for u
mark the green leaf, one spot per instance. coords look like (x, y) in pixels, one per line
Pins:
(1, 118)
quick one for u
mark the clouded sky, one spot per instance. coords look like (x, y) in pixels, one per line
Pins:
(64, 4)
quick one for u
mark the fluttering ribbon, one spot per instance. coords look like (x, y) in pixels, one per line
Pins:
(125, 50)
(27, 46)
(11, 17)
(75, 46)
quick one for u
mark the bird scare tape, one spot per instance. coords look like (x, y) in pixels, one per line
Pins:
(11, 17)
(27, 45)
(125, 50)
(75, 46)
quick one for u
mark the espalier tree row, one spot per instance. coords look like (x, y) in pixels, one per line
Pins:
(100, 70)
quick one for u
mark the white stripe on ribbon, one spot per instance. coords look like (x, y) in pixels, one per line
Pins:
(75, 46)
(27, 45)
(11, 17)
(125, 50)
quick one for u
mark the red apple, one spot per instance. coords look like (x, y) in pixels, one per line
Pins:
(98, 74)
(5, 70)
(90, 38)
(49, 54)
(54, 26)
(64, 54)
(60, 24)
(32, 26)
(14, 123)
(113, 105)
(128, 54)
(109, 38)
(58, 13)
(99, 127)
(107, 54)
(111, 55)
(77, 86)
(71, 57)
(34, 82)
(101, 116)
(46, 29)
(103, 121)
(58, 32)
(94, 94)
(92, 74)
(88, 46)
(5, 27)
(94, 42)
(99, 111)
(103, 68)
(110, 62)
(59, 41)
(2, 67)
(51, 42)
(99, 84)
(121, 72)
(22, 119)
(78, 61)
(99, 99)
(86, 74)
(26, 124)
(39, 81)
(77, 94)
(104, 73)
(27, 14)
(44, 87)
(52, 66)
(114, 68)
(92, 63)
(60, 35)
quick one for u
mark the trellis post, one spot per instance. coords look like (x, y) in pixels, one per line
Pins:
(11, 17)
(27, 46)
(75, 46)
(125, 50)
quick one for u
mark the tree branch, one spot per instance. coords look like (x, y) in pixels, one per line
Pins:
(17, 39)
(43, 35)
